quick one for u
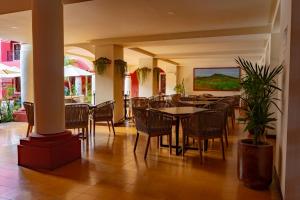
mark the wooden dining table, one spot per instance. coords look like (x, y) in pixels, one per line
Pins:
(196, 103)
(178, 113)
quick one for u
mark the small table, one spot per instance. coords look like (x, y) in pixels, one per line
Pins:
(178, 113)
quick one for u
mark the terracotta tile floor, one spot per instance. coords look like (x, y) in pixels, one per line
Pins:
(109, 170)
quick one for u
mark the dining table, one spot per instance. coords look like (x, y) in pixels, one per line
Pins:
(177, 113)
(196, 103)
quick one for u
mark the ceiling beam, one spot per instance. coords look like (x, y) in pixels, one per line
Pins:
(153, 55)
(183, 35)
(11, 6)
(211, 53)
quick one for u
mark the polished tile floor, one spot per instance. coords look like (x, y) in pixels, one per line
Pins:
(109, 170)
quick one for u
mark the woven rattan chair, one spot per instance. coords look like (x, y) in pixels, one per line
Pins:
(29, 108)
(77, 117)
(231, 113)
(158, 104)
(222, 107)
(140, 102)
(202, 126)
(103, 112)
(153, 124)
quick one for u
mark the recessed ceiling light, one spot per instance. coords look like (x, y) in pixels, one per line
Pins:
(171, 13)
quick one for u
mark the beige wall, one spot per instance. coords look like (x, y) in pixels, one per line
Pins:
(292, 178)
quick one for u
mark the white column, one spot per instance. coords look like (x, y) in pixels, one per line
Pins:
(78, 85)
(93, 88)
(48, 60)
(26, 66)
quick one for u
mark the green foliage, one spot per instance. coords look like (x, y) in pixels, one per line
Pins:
(6, 112)
(68, 61)
(217, 82)
(179, 88)
(73, 90)
(100, 64)
(142, 74)
(121, 66)
(259, 86)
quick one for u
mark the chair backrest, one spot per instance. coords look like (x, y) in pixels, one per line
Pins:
(204, 123)
(158, 104)
(150, 121)
(140, 118)
(159, 122)
(139, 102)
(76, 115)
(29, 108)
(104, 111)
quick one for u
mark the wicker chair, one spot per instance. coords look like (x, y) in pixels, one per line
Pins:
(103, 112)
(29, 108)
(76, 117)
(202, 126)
(222, 107)
(139, 102)
(153, 124)
(231, 112)
(158, 104)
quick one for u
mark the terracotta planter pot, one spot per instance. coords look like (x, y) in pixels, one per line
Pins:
(255, 164)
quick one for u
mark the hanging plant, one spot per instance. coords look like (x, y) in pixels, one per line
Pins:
(100, 64)
(121, 66)
(142, 74)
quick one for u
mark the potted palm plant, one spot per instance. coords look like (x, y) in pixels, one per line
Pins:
(255, 154)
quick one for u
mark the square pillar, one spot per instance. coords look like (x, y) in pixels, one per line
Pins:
(110, 84)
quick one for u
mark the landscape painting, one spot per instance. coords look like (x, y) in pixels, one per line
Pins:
(217, 79)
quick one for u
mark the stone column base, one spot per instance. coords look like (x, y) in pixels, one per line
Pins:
(48, 151)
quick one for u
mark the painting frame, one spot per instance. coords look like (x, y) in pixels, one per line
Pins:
(196, 88)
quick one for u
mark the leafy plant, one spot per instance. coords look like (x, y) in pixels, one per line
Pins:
(142, 74)
(179, 88)
(100, 64)
(121, 66)
(6, 112)
(259, 86)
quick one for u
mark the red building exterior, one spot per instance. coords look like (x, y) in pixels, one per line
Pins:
(10, 56)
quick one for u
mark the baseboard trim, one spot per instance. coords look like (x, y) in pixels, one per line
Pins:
(277, 182)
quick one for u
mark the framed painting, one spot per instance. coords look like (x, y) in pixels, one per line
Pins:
(217, 79)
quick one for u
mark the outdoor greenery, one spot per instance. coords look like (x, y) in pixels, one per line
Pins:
(68, 61)
(7, 106)
(142, 74)
(259, 85)
(217, 82)
(179, 88)
(100, 64)
(121, 66)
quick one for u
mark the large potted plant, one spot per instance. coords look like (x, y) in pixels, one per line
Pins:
(255, 154)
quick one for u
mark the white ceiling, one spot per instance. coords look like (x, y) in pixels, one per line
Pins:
(101, 19)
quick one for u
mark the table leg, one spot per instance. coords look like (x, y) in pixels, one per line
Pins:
(178, 151)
